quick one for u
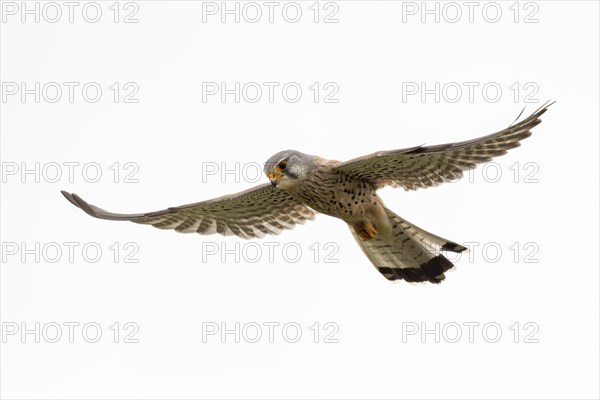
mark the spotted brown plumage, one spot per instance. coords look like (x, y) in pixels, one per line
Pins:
(303, 185)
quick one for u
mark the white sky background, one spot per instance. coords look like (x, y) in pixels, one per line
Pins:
(373, 54)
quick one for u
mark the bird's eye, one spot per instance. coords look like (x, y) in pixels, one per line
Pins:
(282, 165)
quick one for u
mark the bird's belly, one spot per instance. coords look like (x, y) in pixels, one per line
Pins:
(350, 201)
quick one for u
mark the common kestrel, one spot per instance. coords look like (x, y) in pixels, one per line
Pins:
(303, 185)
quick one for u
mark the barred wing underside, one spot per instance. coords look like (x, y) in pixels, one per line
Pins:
(256, 212)
(426, 166)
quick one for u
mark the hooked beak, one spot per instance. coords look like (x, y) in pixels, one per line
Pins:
(274, 177)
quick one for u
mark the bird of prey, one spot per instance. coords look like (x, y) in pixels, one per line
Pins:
(303, 185)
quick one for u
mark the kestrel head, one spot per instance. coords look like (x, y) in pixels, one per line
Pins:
(287, 167)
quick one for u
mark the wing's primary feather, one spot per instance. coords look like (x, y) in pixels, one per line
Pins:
(426, 166)
(256, 212)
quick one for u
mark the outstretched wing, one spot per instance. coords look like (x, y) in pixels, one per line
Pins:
(259, 211)
(426, 166)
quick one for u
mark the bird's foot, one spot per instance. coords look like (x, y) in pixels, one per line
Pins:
(365, 230)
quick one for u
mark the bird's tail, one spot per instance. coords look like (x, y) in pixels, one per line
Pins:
(413, 254)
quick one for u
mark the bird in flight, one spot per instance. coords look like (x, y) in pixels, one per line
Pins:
(303, 185)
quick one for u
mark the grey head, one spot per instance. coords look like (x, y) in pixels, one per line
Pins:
(286, 168)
